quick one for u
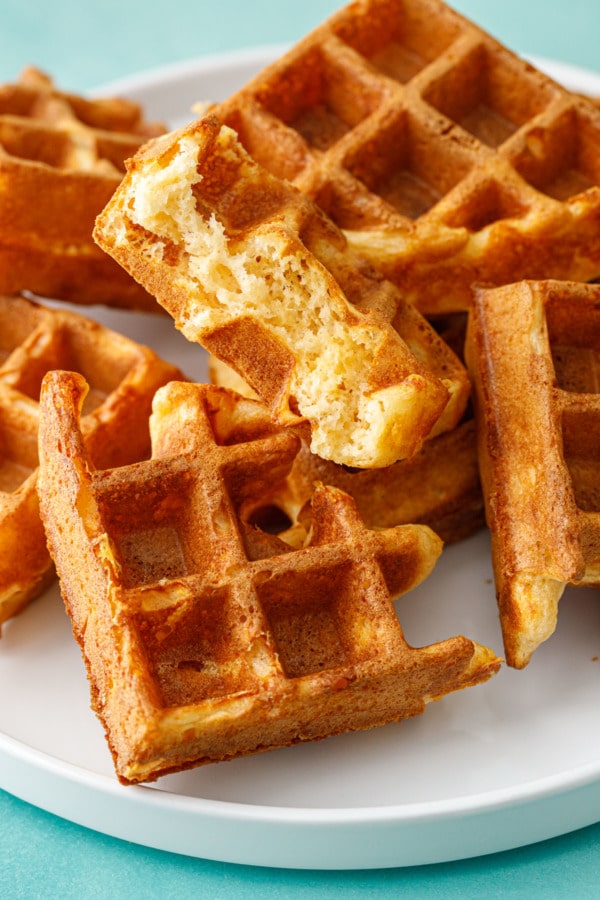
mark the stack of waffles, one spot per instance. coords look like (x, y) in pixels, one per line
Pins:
(61, 158)
(240, 640)
(396, 210)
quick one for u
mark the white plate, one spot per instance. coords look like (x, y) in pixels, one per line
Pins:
(494, 767)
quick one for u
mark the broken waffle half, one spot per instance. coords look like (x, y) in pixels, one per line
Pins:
(123, 377)
(444, 157)
(249, 267)
(61, 158)
(207, 639)
(534, 353)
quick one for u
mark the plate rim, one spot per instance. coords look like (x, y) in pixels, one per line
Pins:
(292, 837)
(568, 74)
(579, 777)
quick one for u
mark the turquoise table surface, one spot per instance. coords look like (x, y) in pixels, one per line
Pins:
(83, 46)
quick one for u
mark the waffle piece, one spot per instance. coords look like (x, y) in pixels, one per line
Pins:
(533, 350)
(439, 486)
(61, 158)
(205, 639)
(444, 157)
(250, 268)
(123, 378)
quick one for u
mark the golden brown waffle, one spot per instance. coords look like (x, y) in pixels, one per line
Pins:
(439, 486)
(123, 378)
(61, 157)
(534, 351)
(205, 639)
(444, 157)
(249, 267)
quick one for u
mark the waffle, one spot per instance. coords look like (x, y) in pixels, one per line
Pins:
(444, 157)
(533, 350)
(61, 158)
(123, 377)
(206, 639)
(250, 268)
(439, 486)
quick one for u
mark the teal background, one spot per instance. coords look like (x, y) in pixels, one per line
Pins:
(88, 43)
(42, 856)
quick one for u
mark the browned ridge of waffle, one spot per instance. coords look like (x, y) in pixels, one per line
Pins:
(123, 377)
(534, 352)
(205, 638)
(61, 157)
(252, 269)
(444, 157)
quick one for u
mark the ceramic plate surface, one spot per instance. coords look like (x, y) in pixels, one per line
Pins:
(505, 764)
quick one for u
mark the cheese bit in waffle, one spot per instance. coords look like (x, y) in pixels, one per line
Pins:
(533, 350)
(439, 486)
(123, 377)
(61, 158)
(205, 639)
(250, 268)
(444, 157)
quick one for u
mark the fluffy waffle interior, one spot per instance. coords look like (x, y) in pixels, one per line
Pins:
(61, 157)
(444, 157)
(205, 638)
(122, 377)
(249, 267)
(534, 353)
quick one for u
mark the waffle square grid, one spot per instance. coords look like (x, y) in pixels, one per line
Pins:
(205, 638)
(445, 158)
